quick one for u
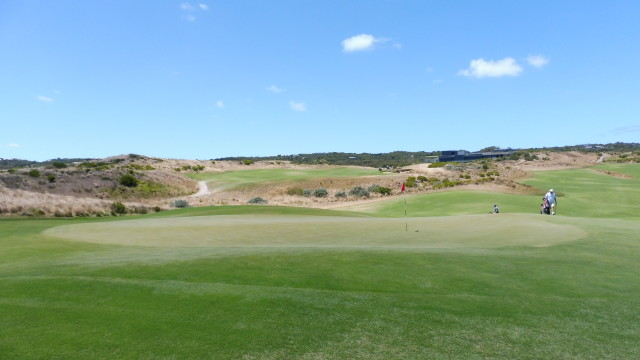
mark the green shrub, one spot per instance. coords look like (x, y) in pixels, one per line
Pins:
(306, 192)
(341, 194)
(180, 204)
(59, 165)
(118, 208)
(128, 180)
(247, 162)
(38, 212)
(51, 178)
(422, 178)
(34, 173)
(295, 192)
(383, 190)
(136, 166)
(157, 209)
(359, 191)
(257, 201)
(373, 188)
(438, 164)
(197, 168)
(320, 192)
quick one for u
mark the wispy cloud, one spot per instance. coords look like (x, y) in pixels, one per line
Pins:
(44, 98)
(627, 129)
(274, 89)
(189, 10)
(10, 145)
(298, 106)
(220, 104)
(537, 60)
(481, 68)
(359, 43)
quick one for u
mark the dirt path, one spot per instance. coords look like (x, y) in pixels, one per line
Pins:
(203, 189)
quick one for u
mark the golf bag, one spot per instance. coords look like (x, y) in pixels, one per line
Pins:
(545, 207)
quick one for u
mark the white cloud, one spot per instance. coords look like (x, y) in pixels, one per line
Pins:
(13, 145)
(274, 89)
(359, 43)
(298, 106)
(44, 98)
(220, 104)
(188, 10)
(537, 60)
(481, 68)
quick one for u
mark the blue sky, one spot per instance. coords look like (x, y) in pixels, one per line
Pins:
(209, 79)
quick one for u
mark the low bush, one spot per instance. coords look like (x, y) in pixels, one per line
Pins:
(180, 204)
(34, 173)
(320, 192)
(59, 165)
(247, 162)
(257, 201)
(359, 191)
(128, 180)
(383, 190)
(51, 178)
(118, 208)
(306, 192)
(438, 164)
(295, 192)
(341, 194)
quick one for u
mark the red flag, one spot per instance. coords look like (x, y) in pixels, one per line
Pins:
(402, 190)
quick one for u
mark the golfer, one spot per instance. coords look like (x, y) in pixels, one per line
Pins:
(551, 199)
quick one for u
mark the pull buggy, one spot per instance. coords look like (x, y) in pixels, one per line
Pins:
(545, 207)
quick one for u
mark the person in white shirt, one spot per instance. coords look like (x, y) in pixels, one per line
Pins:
(550, 197)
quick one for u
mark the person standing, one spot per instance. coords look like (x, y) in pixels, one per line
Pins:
(550, 197)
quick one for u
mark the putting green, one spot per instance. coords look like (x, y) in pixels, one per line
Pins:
(454, 232)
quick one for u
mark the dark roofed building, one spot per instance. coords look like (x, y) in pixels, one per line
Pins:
(463, 155)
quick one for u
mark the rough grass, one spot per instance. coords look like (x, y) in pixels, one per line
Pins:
(481, 286)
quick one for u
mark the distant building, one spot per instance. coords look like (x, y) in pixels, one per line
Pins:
(463, 155)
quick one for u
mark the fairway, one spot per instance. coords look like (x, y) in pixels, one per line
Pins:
(468, 232)
(244, 179)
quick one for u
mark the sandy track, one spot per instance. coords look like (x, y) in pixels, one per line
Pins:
(203, 189)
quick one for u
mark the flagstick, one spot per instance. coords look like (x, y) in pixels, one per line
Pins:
(404, 197)
(406, 224)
